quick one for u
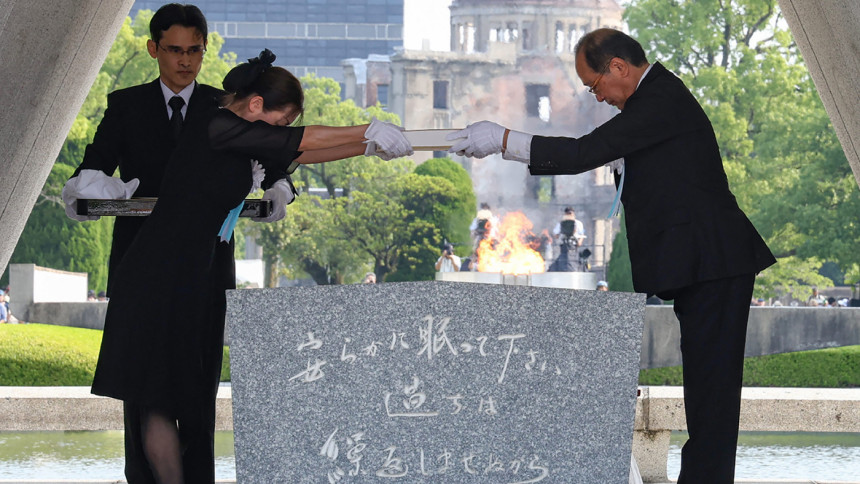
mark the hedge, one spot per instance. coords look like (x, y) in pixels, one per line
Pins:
(45, 355)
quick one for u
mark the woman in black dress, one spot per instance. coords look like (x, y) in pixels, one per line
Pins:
(165, 355)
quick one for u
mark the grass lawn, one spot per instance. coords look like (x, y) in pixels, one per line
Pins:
(46, 355)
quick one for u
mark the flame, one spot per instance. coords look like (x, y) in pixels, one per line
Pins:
(508, 251)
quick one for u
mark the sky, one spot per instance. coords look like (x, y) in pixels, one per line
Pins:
(428, 20)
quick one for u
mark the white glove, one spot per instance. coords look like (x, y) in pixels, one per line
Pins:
(482, 139)
(281, 194)
(373, 150)
(386, 141)
(96, 185)
(258, 173)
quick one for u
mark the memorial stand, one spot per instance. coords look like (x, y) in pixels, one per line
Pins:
(438, 382)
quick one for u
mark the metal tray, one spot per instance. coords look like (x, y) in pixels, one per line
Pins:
(141, 207)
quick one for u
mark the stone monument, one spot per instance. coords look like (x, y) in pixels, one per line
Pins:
(436, 382)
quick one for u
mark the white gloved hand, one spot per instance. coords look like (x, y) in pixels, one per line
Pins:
(258, 173)
(481, 139)
(281, 194)
(373, 150)
(386, 141)
(94, 184)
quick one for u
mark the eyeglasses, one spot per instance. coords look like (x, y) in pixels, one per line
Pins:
(193, 51)
(593, 86)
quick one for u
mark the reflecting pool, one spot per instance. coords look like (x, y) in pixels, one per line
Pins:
(99, 455)
(787, 455)
(83, 455)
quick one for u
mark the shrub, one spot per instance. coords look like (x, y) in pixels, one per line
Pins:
(46, 355)
(827, 368)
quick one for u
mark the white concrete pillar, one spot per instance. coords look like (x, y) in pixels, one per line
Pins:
(50, 53)
(827, 34)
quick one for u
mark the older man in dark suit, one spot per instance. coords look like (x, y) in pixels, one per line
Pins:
(689, 241)
(137, 135)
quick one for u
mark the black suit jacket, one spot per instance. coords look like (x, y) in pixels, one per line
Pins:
(134, 136)
(683, 223)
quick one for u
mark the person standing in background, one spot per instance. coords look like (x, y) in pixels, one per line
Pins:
(448, 262)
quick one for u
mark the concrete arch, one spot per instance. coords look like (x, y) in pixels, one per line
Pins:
(827, 34)
(50, 53)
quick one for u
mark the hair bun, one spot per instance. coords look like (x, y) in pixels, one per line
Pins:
(266, 57)
(244, 75)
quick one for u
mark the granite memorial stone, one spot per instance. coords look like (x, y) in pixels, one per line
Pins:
(433, 382)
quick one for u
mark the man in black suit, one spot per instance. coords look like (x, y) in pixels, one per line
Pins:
(689, 241)
(137, 135)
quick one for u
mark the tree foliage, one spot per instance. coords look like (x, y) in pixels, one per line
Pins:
(443, 196)
(453, 220)
(782, 157)
(50, 238)
(323, 106)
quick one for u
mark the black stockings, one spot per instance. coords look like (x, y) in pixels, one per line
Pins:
(160, 437)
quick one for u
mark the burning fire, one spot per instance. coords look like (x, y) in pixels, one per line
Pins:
(509, 251)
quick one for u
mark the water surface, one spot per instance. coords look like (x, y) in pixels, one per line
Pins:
(787, 455)
(99, 455)
(83, 455)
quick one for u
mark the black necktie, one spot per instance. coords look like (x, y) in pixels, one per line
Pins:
(176, 103)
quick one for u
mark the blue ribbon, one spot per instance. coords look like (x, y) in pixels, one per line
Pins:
(615, 205)
(230, 223)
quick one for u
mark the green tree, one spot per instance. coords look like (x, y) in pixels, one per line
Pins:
(443, 196)
(336, 240)
(50, 238)
(782, 157)
(324, 107)
(304, 243)
(453, 220)
(380, 228)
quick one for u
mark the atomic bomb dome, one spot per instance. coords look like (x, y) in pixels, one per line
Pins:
(532, 25)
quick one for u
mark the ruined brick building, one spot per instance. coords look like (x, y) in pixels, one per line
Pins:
(512, 63)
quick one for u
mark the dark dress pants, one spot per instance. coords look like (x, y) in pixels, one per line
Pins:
(713, 317)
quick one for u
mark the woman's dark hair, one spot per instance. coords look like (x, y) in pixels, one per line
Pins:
(602, 45)
(177, 14)
(277, 86)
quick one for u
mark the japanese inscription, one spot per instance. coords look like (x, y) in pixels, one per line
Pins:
(433, 383)
(432, 337)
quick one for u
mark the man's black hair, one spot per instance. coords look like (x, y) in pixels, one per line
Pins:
(177, 14)
(602, 45)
